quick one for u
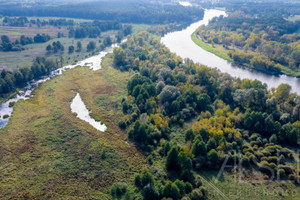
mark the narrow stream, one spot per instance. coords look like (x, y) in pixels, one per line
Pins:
(6, 108)
(78, 107)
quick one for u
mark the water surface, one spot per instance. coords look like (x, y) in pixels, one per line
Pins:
(180, 42)
(78, 107)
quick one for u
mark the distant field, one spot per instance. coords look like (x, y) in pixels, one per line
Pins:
(13, 60)
(14, 33)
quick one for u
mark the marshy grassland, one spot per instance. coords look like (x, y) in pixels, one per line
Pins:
(46, 152)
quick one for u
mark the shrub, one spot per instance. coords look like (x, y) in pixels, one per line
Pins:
(122, 124)
(198, 194)
(171, 190)
(138, 181)
(118, 190)
(150, 193)
(188, 188)
(273, 139)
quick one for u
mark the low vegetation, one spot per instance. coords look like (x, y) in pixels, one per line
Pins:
(46, 152)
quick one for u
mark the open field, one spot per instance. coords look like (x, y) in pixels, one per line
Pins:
(13, 60)
(14, 33)
(46, 152)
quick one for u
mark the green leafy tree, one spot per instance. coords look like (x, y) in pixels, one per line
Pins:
(171, 190)
(172, 159)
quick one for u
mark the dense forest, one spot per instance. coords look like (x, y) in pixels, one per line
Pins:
(232, 119)
(133, 11)
(269, 44)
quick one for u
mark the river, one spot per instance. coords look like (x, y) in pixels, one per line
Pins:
(180, 42)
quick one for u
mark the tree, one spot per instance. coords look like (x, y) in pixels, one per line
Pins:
(171, 190)
(203, 101)
(189, 135)
(199, 148)
(91, 46)
(147, 179)
(211, 144)
(5, 39)
(119, 56)
(71, 49)
(184, 162)
(172, 162)
(79, 46)
(283, 92)
(49, 48)
(213, 157)
(168, 94)
(204, 134)
(107, 41)
(198, 194)
(273, 139)
(150, 193)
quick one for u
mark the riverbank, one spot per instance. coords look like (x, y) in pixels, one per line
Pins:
(221, 52)
(209, 48)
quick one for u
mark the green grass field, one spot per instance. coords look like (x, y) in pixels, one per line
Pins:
(46, 152)
(217, 50)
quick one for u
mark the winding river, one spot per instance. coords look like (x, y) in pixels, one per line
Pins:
(180, 42)
(93, 62)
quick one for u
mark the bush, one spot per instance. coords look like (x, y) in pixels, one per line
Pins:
(273, 139)
(199, 162)
(171, 190)
(138, 181)
(188, 188)
(122, 124)
(198, 194)
(149, 193)
(281, 173)
(118, 190)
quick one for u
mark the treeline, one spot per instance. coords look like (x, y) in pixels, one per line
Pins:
(94, 29)
(264, 8)
(265, 44)
(24, 21)
(135, 11)
(7, 45)
(10, 81)
(238, 119)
